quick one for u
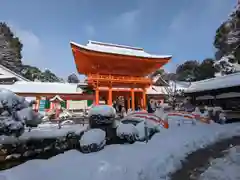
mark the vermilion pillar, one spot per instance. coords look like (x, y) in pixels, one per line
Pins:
(97, 96)
(144, 102)
(133, 99)
(38, 98)
(110, 96)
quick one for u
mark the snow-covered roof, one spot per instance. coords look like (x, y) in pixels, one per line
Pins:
(155, 90)
(159, 81)
(226, 81)
(228, 95)
(57, 97)
(205, 97)
(43, 87)
(118, 49)
(178, 85)
(11, 73)
(2, 76)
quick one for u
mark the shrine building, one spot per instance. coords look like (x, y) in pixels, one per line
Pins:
(116, 70)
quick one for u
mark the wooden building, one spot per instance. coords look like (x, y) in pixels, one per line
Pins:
(114, 70)
(223, 91)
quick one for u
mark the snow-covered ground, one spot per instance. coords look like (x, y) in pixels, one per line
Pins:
(44, 131)
(139, 161)
(226, 168)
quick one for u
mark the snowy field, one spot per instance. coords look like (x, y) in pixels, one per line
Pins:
(226, 168)
(139, 161)
(44, 131)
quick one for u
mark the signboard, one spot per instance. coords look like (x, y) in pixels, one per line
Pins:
(42, 103)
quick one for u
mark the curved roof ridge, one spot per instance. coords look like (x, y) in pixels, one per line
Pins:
(114, 45)
(119, 51)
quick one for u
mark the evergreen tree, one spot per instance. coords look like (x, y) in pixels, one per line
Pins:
(10, 57)
(72, 78)
(227, 38)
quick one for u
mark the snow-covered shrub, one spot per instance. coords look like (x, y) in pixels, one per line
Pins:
(15, 113)
(103, 110)
(31, 118)
(101, 115)
(92, 140)
(127, 132)
(151, 130)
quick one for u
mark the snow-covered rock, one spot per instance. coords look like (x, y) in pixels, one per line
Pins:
(127, 131)
(93, 140)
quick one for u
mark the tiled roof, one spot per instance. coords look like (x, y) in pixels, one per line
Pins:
(118, 49)
(43, 87)
(226, 81)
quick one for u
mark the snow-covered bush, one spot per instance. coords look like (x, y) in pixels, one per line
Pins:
(151, 130)
(103, 110)
(15, 113)
(101, 115)
(31, 118)
(127, 132)
(92, 140)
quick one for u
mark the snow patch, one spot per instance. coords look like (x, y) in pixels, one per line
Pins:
(44, 131)
(154, 160)
(224, 168)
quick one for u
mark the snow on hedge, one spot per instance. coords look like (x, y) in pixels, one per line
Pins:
(93, 136)
(103, 110)
(15, 113)
(45, 131)
(128, 131)
(141, 130)
(154, 160)
(93, 140)
(152, 120)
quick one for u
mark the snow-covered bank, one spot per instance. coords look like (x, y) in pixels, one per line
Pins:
(224, 168)
(44, 132)
(138, 161)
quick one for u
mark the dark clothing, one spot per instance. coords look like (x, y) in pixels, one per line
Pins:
(149, 109)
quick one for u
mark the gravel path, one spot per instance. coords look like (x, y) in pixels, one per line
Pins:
(198, 161)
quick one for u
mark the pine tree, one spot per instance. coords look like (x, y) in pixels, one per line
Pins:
(227, 39)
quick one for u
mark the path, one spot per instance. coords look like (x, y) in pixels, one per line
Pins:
(198, 161)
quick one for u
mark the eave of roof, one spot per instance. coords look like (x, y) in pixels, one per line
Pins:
(43, 88)
(221, 82)
(15, 74)
(116, 50)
